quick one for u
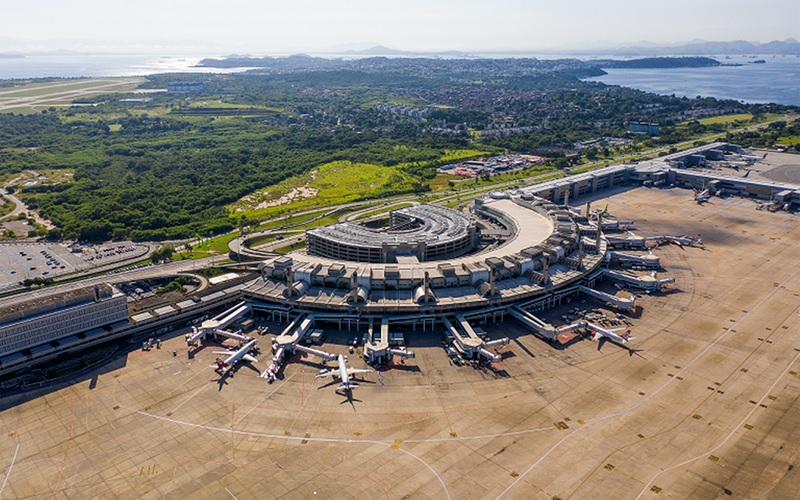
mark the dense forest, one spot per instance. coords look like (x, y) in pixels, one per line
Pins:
(167, 167)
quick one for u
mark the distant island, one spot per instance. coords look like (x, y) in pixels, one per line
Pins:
(11, 55)
(522, 66)
(661, 62)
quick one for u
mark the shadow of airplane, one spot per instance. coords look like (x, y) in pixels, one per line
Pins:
(631, 352)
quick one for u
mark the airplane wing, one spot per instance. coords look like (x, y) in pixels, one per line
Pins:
(326, 374)
(353, 371)
(597, 335)
(250, 358)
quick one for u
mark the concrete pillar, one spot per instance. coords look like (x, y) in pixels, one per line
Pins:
(599, 231)
(545, 270)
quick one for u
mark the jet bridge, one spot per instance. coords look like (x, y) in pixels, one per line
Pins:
(648, 283)
(647, 261)
(289, 342)
(378, 351)
(216, 326)
(470, 345)
(544, 330)
(618, 302)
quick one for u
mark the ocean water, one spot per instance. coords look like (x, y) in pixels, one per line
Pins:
(775, 81)
(75, 66)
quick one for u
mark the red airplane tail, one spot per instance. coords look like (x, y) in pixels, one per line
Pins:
(220, 366)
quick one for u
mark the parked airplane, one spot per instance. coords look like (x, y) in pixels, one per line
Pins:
(702, 197)
(344, 373)
(610, 334)
(224, 366)
(599, 213)
(753, 157)
(685, 240)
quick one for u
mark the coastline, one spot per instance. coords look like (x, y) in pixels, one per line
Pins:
(737, 78)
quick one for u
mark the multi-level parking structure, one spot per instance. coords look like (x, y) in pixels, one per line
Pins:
(426, 232)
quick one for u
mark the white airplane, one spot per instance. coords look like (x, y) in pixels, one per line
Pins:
(685, 240)
(223, 366)
(753, 158)
(344, 373)
(610, 334)
(702, 197)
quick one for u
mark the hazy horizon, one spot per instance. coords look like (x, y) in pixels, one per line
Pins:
(315, 26)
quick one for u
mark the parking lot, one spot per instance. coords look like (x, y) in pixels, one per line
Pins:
(21, 261)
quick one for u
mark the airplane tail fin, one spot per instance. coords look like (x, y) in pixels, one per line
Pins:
(219, 365)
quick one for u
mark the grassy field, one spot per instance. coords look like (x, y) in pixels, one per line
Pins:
(389, 208)
(725, 119)
(291, 247)
(219, 104)
(214, 246)
(330, 184)
(442, 182)
(6, 207)
(289, 220)
(791, 140)
(43, 176)
(337, 183)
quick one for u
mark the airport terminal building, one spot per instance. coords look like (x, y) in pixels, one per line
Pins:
(31, 323)
(427, 264)
(429, 260)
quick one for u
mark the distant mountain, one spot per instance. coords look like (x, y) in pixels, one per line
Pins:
(789, 46)
(11, 55)
(380, 50)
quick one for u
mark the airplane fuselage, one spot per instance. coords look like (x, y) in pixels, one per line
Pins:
(343, 372)
(227, 364)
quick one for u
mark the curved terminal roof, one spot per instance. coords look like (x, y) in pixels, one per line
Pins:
(532, 229)
(437, 225)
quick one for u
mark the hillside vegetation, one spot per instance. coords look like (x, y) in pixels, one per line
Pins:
(308, 133)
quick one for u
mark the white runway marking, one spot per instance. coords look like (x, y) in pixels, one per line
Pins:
(187, 399)
(736, 429)
(657, 391)
(423, 462)
(295, 438)
(9, 470)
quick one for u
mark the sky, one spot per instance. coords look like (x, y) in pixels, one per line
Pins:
(262, 27)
